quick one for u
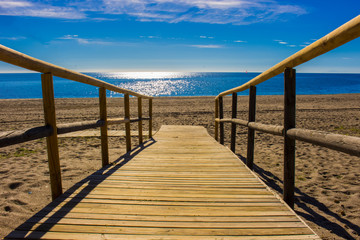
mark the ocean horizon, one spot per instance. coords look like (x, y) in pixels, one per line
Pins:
(170, 84)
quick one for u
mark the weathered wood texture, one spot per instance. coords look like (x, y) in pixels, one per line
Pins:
(345, 33)
(14, 137)
(127, 124)
(343, 143)
(221, 116)
(150, 118)
(251, 131)
(182, 185)
(233, 125)
(51, 141)
(289, 144)
(140, 127)
(216, 117)
(79, 126)
(104, 128)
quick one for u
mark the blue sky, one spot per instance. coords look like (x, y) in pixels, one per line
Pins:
(176, 35)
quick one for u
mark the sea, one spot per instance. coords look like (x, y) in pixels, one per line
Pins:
(28, 85)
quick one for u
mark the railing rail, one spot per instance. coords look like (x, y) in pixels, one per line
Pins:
(52, 129)
(345, 33)
(346, 144)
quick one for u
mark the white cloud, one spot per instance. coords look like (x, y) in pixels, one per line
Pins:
(207, 46)
(207, 37)
(86, 41)
(240, 41)
(13, 38)
(13, 4)
(38, 9)
(237, 12)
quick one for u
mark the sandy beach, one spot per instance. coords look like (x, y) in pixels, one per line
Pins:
(327, 182)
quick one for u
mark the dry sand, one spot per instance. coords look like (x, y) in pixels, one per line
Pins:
(327, 182)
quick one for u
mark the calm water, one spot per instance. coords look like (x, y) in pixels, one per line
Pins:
(28, 85)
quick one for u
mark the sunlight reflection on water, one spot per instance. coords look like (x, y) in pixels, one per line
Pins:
(154, 83)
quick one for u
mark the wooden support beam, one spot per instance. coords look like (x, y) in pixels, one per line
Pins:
(79, 126)
(151, 117)
(104, 128)
(251, 132)
(289, 144)
(52, 141)
(127, 124)
(221, 116)
(267, 128)
(342, 143)
(140, 128)
(216, 122)
(20, 136)
(233, 125)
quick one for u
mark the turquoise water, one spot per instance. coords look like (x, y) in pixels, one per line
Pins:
(28, 85)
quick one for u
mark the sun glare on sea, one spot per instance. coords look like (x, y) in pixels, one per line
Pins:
(147, 75)
(153, 83)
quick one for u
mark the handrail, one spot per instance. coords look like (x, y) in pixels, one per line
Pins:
(51, 130)
(346, 144)
(345, 33)
(22, 60)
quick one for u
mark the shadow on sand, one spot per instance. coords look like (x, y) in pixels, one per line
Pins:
(304, 201)
(50, 215)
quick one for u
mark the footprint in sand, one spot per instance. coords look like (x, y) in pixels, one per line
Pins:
(15, 185)
(7, 209)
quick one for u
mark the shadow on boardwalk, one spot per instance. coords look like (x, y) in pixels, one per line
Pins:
(304, 201)
(50, 215)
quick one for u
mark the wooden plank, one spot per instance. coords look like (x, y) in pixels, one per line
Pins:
(161, 218)
(168, 231)
(97, 236)
(51, 141)
(173, 197)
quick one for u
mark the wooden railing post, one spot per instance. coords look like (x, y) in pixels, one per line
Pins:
(289, 144)
(140, 129)
(52, 141)
(233, 125)
(251, 132)
(150, 116)
(127, 124)
(104, 129)
(221, 116)
(216, 117)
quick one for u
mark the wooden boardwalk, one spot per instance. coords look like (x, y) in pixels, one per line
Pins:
(180, 185)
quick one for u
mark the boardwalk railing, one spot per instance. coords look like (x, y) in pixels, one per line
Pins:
(51, 129)
(347, 144)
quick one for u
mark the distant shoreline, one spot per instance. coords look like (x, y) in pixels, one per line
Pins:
(177, 96)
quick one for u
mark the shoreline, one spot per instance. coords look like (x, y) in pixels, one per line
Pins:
(327, 182)
(207, 96)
